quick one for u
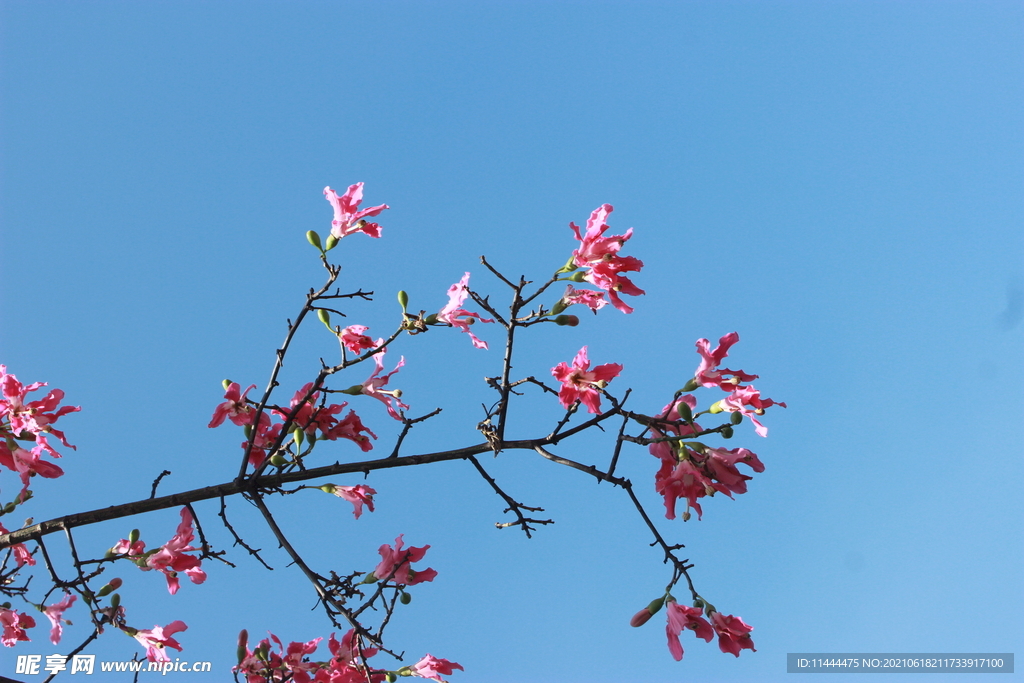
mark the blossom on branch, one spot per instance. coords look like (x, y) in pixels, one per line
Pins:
(55, 614)
(588, 297)
(455, 315)
(395, 563)
(433, 668)
(357, 495)
(234, 408)
(354, 340)
(601, 255)
(351, 428)
(580, 383)
(34, 418)
(709, 375)
(372, 387)
(348, 218)
(171, 558)
(157, 639)
(27, 463)
(14, 626)
(680, 618)
(733, 633)
(747, 401)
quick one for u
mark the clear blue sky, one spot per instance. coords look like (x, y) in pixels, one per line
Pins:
(839, 182)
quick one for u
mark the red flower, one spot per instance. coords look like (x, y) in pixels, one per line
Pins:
(733, 633)
(681, 617)
(347, 215)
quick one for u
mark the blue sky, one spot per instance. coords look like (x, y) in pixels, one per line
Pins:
(841, 183)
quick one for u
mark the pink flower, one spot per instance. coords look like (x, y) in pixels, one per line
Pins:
(681, 617)
(235, 408)
(601, 255)
(171, 558)
(738, 400)
(34, 417)
(455, 315)
(708, 374)
(432, 667)
(55, 614)
(579, 383)
(14, 626)
(588, 297)
(347, 215)
(357, 495)
(21, 554)
(351, 428)
(684, 480)
(397, 560)
(354, 340)
(722, 466)
(27, 463)
(156, 639)
(264, 438)
(733, 633)
(372, 387)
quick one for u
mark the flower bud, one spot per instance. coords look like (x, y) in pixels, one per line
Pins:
(405, 598)
(736, 418)
(115, 600)
(133, 536)
(298, 435)
(716, 408)
(314, 239)
(727, 432)
(567, 320)
(332, 242)
(430, 319)
(110, 587)
(684, 411)
(578, 276)
(640, 618)
(390, 677)
(325, 317)
(226, 384)
(559, 306)
(569, 266)
(278, 460)
(690, 386)
(403, 299)
(9, 508)
(369, 578)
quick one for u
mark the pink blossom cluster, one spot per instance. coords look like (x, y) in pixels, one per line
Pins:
(24, 420)
(346, 665)
(745, 400)
(170, 558)
(733, 634)
(600, 255)
(692, 471)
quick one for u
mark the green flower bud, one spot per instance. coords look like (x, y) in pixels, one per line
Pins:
(727, 432)
(431, 319)
(656, 605)
(736, 418)
(405, 598)
(390, 677)
(578, 276)
(684, 412)
(332, 242)
(133, 536)
(299, 436)
(278, 460)
(241, 653)
(115, 600)
(325, 317)
(314, 238)
(403, 299)
(567, 320)
(569, 266)
(226, 384)
(690, 386)
(558, 307)
(716, 408)
(9, 508)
